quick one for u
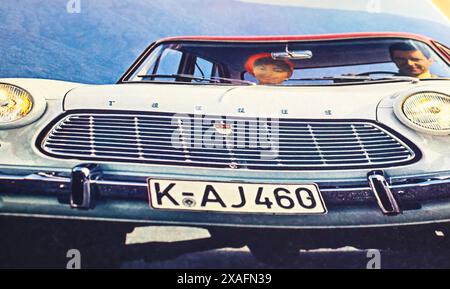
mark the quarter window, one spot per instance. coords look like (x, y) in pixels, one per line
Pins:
(444, 48)
(203, 68)
(168, 64)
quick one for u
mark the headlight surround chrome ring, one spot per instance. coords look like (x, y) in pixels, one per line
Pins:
(18, 107)
(425, 111)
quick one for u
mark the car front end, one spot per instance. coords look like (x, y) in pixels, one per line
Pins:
(317, 160)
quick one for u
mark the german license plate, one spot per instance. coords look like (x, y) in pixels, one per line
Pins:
(235, 197)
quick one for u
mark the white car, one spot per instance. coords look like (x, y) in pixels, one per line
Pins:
(351, 148)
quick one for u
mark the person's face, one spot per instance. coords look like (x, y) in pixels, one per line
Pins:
(411, 63)
(270, 74)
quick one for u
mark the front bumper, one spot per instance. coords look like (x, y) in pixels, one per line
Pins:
(90, 194)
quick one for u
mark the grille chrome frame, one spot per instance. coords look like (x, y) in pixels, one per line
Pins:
(304, 144)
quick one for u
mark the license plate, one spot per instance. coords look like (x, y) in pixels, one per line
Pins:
(235, 197)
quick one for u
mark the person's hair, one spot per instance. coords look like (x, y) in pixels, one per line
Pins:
(406, 46)
(270, 61)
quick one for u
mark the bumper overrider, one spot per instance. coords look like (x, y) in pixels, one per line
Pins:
(88, 193)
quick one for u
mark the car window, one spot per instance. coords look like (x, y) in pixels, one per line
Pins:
(444, 48)
(203, 68)
(168, 64)
(379, 69)
(222, 62)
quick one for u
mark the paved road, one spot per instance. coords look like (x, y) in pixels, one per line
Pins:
(173, 250)
(187, 248)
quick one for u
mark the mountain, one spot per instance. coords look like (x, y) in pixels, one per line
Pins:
(41, 39)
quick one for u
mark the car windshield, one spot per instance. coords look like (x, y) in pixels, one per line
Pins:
(289, 63)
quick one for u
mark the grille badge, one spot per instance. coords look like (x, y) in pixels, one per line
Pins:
(223, 128)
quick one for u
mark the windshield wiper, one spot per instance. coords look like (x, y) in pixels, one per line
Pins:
(214, 79)
(360, 78)
(399, 77)
(342, 77)
(415, 79)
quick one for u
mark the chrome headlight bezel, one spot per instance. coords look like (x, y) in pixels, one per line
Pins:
(406, 120)
(38, 106)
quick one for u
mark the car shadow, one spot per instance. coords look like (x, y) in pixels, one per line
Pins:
(208, 253)
(157, 251)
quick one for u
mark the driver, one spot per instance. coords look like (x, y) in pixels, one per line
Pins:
(268, 70)
(411, 61)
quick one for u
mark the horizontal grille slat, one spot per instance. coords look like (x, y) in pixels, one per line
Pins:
(157, 137)
(169, 130)
(100, 146)
(235, 142)
(298, 149)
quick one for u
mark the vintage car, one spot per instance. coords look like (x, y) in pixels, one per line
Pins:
(352, 148)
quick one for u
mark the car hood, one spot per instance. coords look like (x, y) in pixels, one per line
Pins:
(349, 101)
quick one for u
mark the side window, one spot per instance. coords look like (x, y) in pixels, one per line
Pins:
(443, 48)
(440, 68)
(203, 68)
(168, 64)
(247, 76)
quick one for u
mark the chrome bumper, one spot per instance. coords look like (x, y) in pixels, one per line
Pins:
(88, 193)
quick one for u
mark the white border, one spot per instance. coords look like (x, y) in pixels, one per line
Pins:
(439, 11)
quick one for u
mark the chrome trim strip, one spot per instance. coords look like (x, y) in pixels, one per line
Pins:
(59, 141)
(182, 162)
(389, 145)
(160, 129)
(398, 152)
(425, 180)
(199, 224)
(40, 176)
(111, 117)
(314, 158)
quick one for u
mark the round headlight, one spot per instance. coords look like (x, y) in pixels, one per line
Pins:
(426, 111)
(15, 103)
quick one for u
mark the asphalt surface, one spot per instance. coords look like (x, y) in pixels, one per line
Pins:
(192, 248)
(180, 248)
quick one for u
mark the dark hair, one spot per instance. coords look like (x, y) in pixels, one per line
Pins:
(267, 60)
(406, 46)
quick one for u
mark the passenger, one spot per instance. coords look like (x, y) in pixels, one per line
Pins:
(411, 61)
(268, 70)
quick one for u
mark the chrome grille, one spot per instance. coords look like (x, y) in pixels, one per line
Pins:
(191, 140)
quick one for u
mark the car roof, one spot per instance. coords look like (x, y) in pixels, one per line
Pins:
(313, 37)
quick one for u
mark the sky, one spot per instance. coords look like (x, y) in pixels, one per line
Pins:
(99, 42)
(422, 9)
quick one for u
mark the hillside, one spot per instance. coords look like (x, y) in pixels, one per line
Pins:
(40, 39)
